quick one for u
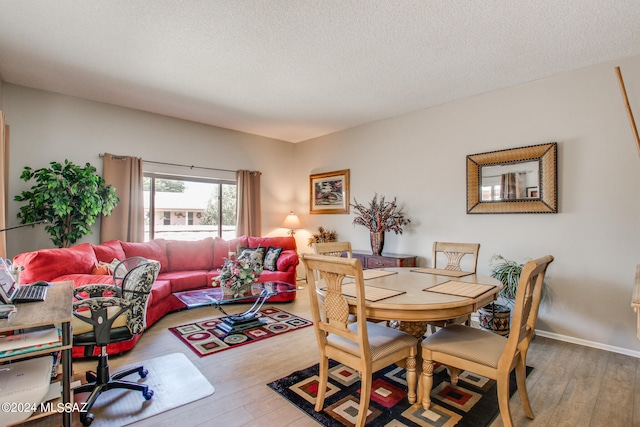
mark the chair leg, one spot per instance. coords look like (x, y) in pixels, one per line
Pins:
(411, 379)
(365, 396)
(503, 400)
(454, 373)
(521, 380)
(323, 373)
(427, 383)
(138, 369)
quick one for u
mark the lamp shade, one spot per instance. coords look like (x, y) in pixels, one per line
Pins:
(291, 222)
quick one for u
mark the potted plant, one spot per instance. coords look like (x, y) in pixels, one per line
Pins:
(69, 197)
(496, 317)
(322, 236)
(379, 217)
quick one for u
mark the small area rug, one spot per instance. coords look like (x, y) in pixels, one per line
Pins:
(205, 338)
(175, 381)
(472, 403)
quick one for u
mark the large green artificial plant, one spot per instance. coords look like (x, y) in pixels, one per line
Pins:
(69, 197)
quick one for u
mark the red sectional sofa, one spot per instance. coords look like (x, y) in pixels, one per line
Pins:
(184, 265)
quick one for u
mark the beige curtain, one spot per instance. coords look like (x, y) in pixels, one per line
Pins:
(511, 186)
(126, 222)
(4, 181)
(249, 211)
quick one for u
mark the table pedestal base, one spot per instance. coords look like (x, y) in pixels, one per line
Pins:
(239, 323)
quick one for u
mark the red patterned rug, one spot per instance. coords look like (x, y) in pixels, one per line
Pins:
(206, 337)
(472, 403)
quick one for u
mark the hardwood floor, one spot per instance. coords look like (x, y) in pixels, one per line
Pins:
(570, 385)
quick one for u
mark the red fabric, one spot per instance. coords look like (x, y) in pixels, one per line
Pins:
(154, 249)
(183, 255)
(115, 348)
(161, 289)
(222, 248)
(286, 260)
(277, 242)
(185, 280)
(47, 264)
(108, 251)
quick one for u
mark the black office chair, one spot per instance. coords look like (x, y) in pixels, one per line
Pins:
(107, 314)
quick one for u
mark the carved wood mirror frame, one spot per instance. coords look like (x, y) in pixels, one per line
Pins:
(547, 200)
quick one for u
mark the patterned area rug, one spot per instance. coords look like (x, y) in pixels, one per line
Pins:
(206, 337)
(472, 403)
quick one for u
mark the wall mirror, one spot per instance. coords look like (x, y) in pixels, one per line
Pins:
(517, 180)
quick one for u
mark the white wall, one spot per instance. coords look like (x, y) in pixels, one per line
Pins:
(49, 127)
(595, 237)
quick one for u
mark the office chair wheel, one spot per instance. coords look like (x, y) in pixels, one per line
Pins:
(144, 373)
(148, 394)
(86, 419)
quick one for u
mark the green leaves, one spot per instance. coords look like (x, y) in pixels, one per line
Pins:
(508, 273)
(69, 197)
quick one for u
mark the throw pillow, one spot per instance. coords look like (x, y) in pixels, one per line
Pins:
(111, 266)
(100, 270)
(271, 258)
(255, 255)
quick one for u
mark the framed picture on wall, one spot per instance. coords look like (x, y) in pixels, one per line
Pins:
(532, 192)
(329, 192)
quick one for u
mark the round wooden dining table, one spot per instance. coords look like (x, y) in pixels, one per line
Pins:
(412, 296)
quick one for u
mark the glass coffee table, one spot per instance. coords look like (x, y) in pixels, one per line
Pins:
(259, 294)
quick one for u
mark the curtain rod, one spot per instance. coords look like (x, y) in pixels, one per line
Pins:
(172, 164)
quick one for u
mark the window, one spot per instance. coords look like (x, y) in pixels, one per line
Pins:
(185, 208)
(490, 192)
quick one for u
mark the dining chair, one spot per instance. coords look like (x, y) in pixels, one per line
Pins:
(340, 249)
(454, 253)
(462, 348)
(364, 346)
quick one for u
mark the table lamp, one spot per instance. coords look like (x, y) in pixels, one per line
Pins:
(291, 222)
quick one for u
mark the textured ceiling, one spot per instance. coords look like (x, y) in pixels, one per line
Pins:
(295, 70)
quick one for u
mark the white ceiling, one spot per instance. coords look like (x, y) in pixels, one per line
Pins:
(298, 69)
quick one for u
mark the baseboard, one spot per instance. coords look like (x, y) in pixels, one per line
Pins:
(587, 343)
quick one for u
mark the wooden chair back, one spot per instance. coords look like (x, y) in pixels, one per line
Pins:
(338, 249)
(334, 319)
(525, 310)
(454, 252)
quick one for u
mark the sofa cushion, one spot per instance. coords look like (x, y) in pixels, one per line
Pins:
(161, 289)
(47, 264)
(285, 243)
(271, 258)
(190, 255)
(222, 248)
(287, 260)
(107, 251)
(185, 280)
(154, 249)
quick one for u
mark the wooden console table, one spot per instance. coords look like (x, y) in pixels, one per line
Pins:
(55, 310)
(385, 260)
